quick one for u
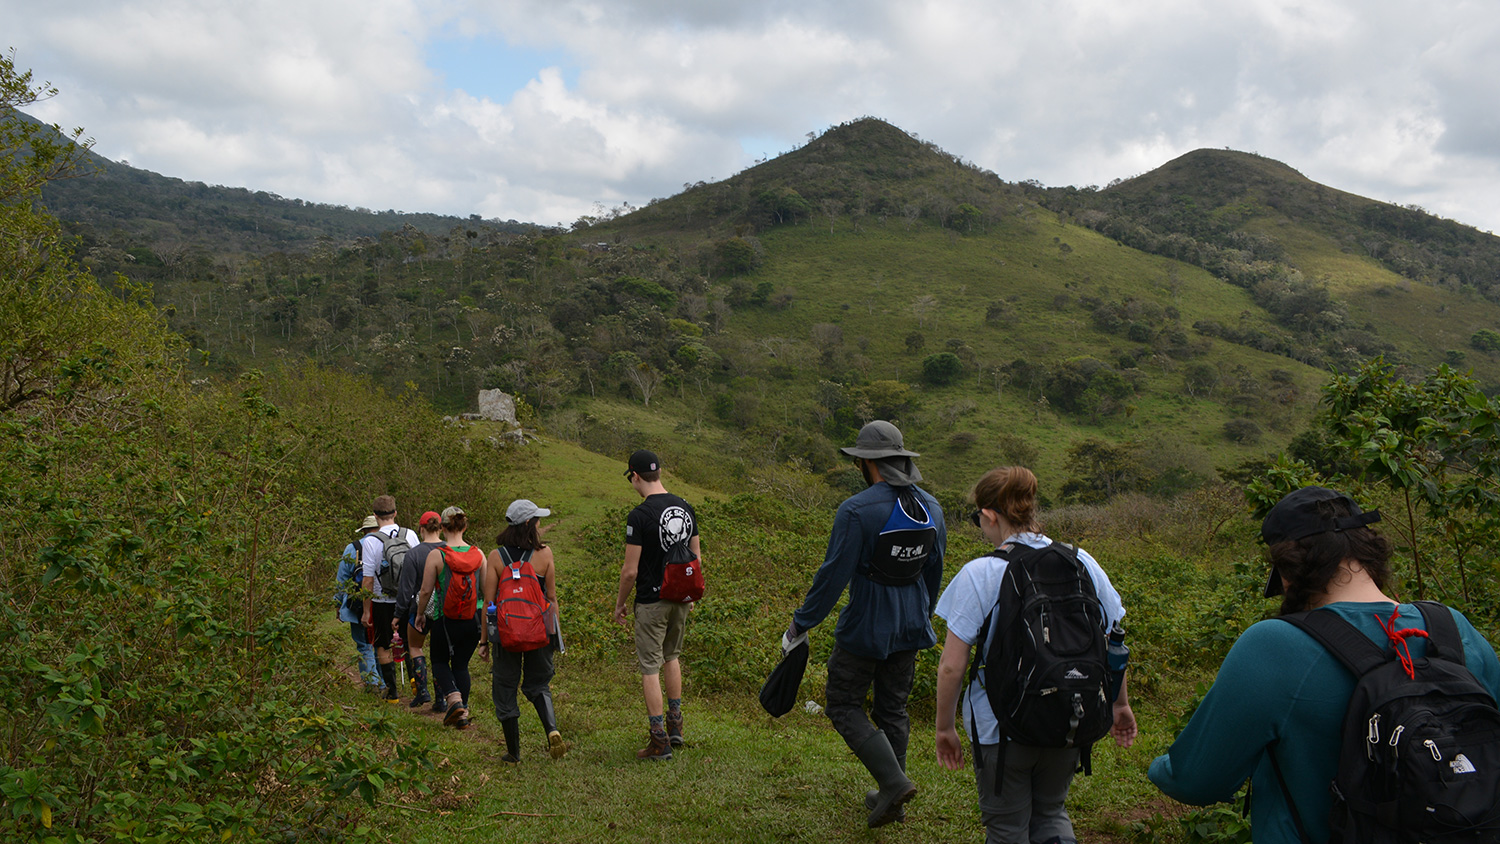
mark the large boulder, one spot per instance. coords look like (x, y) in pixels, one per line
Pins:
(497, 406)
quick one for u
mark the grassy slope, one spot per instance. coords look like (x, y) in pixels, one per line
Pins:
(832, 276)
(743, 776)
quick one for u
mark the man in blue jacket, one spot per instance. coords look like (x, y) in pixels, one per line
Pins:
(347, 582)
(887, 547)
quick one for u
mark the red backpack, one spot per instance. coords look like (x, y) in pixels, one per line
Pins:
(458, 584)
(521, 606)
(682, 579)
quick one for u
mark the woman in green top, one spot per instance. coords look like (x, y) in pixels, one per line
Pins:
(453, 638)
(1281, 693)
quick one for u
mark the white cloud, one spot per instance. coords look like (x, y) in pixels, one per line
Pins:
(330, 99)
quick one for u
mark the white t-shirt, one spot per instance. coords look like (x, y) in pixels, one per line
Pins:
(372, 551)
(969, 598)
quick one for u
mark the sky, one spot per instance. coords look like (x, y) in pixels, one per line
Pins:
(545, 110)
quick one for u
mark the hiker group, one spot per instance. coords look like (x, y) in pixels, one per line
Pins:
(1355, 717)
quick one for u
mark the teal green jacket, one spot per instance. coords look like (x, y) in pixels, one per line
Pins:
(1278, 686)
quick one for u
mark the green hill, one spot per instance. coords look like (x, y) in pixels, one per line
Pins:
(1182, 318)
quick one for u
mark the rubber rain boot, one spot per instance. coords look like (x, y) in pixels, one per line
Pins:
(419, 682)
(512, 730)
(895, 789)
(555, 744)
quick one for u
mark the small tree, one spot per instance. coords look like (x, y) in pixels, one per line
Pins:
(942, 368)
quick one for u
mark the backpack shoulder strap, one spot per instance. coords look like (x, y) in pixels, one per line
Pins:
(1340, 638)
(1443, 639)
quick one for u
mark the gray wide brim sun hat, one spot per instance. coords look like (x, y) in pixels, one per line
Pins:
(876, 440)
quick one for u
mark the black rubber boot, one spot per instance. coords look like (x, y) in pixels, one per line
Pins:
(419, 681)
(388, 674)
(885, 767)
(873, 795)
(555, 744)
(512, 730)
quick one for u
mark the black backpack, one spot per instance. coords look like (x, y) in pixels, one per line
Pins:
(1046, 671)
(1420, 755)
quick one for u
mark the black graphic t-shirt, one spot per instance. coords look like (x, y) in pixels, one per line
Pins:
(656, 524)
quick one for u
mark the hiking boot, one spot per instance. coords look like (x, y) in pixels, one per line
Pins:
(658, 748)
(455, 712)
(873, 795)
(674, 728)
(555, 744)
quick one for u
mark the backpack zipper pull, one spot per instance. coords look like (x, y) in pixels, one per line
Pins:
(1437, 755)
(1396, 734)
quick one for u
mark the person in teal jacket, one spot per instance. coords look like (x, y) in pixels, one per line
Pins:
(1281, 692)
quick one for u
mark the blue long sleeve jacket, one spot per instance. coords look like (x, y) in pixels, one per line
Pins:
(349, 570)
(878, 620)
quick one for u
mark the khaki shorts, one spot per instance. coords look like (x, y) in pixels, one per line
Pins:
(658, 634)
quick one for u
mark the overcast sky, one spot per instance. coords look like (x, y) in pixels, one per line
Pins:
(539, 109)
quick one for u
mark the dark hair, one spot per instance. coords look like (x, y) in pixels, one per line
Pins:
(649, 477)
(457, 523)
(384, 506)
(1011, 492)
(524, 535)
(1311, 563)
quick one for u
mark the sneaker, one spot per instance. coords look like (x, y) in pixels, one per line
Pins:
(440, 705)
(674, 728)
(556, 745)
(455, 712)
(658, 748)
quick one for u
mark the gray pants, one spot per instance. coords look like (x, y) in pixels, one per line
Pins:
(1032, 805)
(531, 670)
(852, 677)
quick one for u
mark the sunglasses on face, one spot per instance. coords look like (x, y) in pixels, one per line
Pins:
(974, 518)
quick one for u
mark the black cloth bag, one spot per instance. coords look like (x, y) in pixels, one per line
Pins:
(779, 694)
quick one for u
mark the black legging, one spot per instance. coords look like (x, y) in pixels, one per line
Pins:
(449, 649)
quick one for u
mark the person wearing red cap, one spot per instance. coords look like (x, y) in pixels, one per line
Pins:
(429, 530)
(1276, 711)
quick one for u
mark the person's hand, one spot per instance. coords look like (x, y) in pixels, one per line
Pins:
(620, 616)
(1124, 729)
(421, 624)
(395, 626)
(950, 749)
(484, 651)
(791, 639)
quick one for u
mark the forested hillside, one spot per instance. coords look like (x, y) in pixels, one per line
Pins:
(870, 274)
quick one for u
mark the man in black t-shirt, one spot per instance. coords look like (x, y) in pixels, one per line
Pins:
(656, 524)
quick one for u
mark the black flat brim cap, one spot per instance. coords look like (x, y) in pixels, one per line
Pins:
(1296, 516)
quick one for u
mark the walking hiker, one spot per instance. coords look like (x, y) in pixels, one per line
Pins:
(450, 592)
(660, 522)
(351, 609)
(429, 529)
(380, 550)
(520, 554)
(1023, 787)
(887, 547)
(1286, 712)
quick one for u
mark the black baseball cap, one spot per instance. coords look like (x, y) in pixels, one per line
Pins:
(1296, 516)
(643, 461)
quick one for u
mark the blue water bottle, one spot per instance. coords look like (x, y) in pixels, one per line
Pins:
(1117, 655)
(491, 623)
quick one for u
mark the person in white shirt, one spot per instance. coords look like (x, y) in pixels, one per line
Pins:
(380, 612)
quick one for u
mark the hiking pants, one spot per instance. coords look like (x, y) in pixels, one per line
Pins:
(851, 677)
(449, 649)
(368, 670)
(1032, 804)
(532, 670)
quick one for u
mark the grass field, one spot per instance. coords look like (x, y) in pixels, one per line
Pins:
(743, 776)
